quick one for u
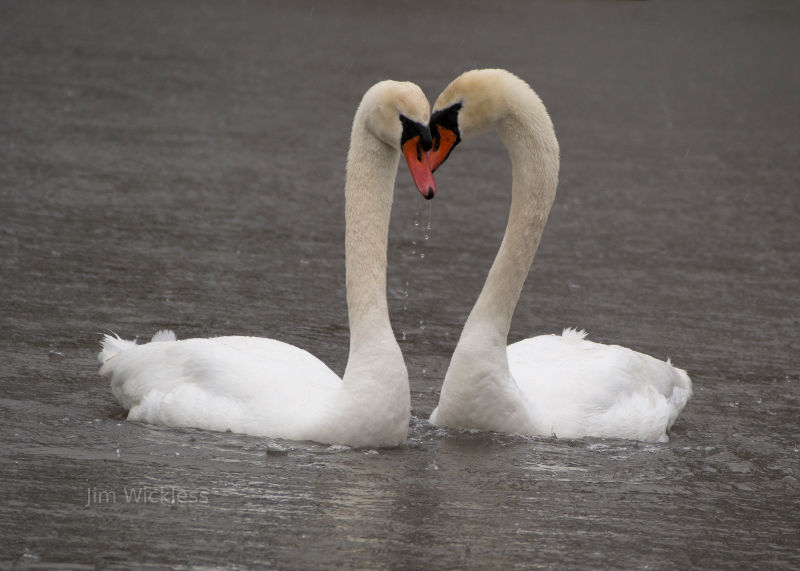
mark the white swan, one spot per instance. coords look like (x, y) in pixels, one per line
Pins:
(265, 387)
(548, 385)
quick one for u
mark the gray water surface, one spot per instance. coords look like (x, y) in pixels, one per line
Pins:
(181, 166)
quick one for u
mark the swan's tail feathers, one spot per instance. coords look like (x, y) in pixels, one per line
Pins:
(685, 383)
(164, 335)
(573, 334)
(682, 378)
(111, 345)
(681, 392)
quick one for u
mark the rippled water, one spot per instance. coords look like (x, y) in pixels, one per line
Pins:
(181, 166)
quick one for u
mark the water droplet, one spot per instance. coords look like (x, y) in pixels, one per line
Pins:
(429, 216)
(422, 256)
(403, 333)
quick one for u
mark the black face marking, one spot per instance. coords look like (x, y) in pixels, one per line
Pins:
(447, 118)
(413, 129)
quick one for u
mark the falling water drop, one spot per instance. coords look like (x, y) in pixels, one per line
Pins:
(428, 225)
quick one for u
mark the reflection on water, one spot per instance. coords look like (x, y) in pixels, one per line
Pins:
(166, 167)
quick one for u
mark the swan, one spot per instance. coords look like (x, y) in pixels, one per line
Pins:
(550, 385)
(265, 387)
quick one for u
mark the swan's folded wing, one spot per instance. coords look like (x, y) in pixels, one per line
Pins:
(581, 388)
(244, 384)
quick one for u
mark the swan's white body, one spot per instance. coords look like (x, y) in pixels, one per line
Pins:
(549, 385)
(266, 387)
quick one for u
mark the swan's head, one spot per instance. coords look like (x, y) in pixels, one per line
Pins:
(474, 102)
(398, 113)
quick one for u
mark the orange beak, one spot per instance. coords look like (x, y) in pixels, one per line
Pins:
(421, 172)
(444, 140)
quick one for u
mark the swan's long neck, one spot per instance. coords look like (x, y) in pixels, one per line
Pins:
(478, 389)
(371, 170)
(372, 406)
(531, 142)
